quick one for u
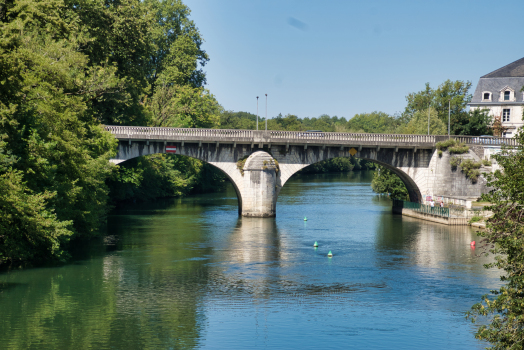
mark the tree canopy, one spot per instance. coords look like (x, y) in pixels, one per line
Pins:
(505, 235)
(66, 67)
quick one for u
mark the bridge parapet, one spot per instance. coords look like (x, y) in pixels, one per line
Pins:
(296, 137)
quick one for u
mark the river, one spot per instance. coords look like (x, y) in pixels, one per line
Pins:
(190, 274)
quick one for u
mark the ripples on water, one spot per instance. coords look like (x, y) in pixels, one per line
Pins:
(188, 274)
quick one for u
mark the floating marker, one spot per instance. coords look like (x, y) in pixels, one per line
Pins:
(330, 254)
(305, 218)
(472, 244)
(316, 244)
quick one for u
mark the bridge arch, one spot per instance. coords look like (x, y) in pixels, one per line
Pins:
(131, 150)
(412, 157)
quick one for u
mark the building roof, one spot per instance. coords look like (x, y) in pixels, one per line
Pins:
(495, 86)
(514, 69)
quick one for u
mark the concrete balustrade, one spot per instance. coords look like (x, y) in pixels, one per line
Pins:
(296, 137)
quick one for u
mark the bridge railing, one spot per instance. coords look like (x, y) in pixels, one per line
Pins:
(481, 141)
(342, 136)
(194, 132)
(271, 135)
(421, 208)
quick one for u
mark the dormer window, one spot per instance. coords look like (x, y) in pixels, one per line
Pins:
(486, 96)
(507, 94)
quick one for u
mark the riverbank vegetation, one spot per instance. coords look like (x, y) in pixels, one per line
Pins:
(504, 238)
(66, 68)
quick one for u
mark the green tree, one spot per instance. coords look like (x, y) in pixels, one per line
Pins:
(184, 107)
(290, 123)
(419, 124)
(385, 181)
(374, 122)
(475, 123)
(237, 120)
(505, 234)
(450, 97)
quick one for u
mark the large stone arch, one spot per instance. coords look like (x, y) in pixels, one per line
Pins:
(408, 164)
(222, 157)
(422, 170)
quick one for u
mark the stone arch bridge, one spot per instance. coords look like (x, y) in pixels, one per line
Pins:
(259, 163)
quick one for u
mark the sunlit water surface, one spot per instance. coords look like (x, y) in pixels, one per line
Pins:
(191, 274)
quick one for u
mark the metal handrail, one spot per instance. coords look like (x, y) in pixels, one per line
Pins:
(422, 208)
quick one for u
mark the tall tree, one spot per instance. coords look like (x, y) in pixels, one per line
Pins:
(374, 122)
(475, 123)
(61, 153)
(450, 99)
(505, 234)
(419, 124)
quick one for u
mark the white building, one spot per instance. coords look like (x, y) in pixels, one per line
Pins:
(500, 92)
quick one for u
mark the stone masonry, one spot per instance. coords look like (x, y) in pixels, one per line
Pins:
(261, 178)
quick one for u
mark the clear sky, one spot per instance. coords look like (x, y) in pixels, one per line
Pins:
(346, 57)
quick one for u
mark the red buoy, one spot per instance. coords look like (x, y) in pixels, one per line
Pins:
(472, 244)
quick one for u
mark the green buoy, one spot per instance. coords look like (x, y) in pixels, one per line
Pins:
(330, 254)
(305, 218)
(316, 244)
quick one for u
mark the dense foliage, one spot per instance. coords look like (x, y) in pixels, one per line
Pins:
(505, 235)
(54, 153)
(385, 181)
(66, 67)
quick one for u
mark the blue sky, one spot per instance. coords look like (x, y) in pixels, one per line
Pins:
(347, 57)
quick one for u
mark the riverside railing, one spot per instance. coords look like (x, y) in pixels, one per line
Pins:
(422, 208)
(138, 132)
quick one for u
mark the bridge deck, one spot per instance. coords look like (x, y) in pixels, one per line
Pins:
(138, 133)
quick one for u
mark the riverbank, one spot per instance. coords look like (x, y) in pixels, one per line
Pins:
(441, 215)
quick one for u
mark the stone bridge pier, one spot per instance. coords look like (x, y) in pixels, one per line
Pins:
(259, 190)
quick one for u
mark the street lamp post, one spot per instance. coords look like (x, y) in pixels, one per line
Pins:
(429, 108)
(449, 118)
(266, 112)
(257, 113)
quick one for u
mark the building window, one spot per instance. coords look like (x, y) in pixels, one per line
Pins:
(505, 115)
(486, 95)
(507, 134)
(506, 95)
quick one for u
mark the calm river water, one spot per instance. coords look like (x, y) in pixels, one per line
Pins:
(191, 274)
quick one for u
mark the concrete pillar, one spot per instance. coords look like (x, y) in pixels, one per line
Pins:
(259, 193)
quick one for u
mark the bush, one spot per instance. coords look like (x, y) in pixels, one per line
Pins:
(459, 149)
(470, 169)
(475, 218)
(455, 162)
(453, 146)
(486, 162)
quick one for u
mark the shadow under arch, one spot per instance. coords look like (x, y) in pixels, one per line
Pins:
(222, 171)
(413, 190)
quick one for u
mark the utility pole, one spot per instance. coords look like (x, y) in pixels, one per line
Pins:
(449, 118)
(257, 113)
(428, 115)
(266, 112)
